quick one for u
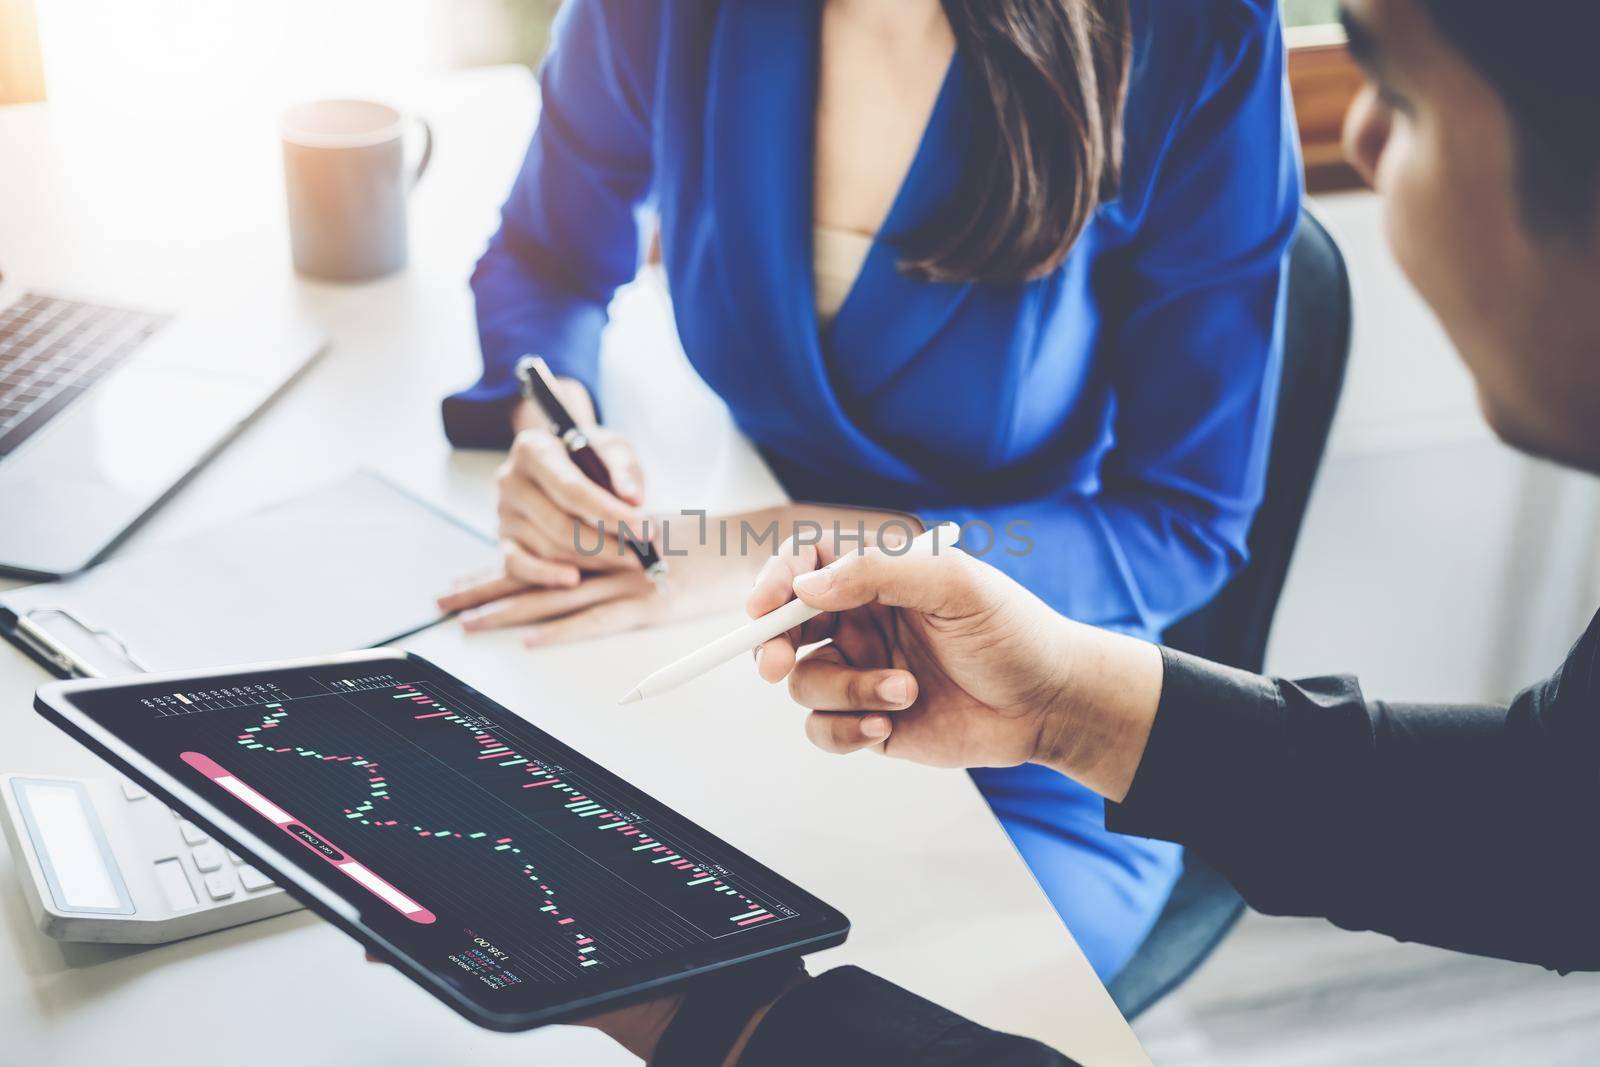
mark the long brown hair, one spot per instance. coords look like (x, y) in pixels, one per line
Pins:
(1050, 78)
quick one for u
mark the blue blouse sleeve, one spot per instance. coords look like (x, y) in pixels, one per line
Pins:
(1196, 358)
(569, 234)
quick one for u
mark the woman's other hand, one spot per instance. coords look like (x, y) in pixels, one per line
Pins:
(710, 564)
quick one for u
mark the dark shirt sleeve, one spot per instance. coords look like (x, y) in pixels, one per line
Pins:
(1472, 828)
(848, 1017)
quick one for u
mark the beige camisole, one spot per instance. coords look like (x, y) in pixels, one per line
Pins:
(836, 259)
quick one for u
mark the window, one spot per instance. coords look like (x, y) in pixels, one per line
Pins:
(1324, 80)
(1299, 13)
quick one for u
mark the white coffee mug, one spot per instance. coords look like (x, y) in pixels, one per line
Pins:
(347, 184)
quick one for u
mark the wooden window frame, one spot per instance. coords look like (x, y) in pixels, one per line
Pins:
(1324, 80)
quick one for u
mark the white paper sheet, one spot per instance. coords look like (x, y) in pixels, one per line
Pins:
(355, 564)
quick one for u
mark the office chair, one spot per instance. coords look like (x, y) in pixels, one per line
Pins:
(1233, 627)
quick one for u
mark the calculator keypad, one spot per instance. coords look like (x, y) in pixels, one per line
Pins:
(251, 878)
(224, 872)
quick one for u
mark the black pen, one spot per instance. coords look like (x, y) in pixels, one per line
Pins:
(538, 387)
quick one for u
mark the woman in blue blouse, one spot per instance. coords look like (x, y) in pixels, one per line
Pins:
(1010, 261)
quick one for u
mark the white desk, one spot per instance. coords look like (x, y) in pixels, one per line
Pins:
(938, 899)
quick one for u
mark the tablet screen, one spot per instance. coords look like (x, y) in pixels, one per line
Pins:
(520, 873)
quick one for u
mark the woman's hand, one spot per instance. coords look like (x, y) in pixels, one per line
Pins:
(547, 504)
(706, 571)
(551, 517)
(698, 580)
(935, 657)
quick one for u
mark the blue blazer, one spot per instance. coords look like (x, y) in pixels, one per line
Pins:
(1115, 413)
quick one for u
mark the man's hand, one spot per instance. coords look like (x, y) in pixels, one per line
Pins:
(936, 657)
(639, 1027)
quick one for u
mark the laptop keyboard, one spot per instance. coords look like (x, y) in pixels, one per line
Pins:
(52, 350)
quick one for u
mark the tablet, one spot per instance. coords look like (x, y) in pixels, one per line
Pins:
(516, 880)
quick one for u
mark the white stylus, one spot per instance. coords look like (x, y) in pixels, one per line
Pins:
(755, 633)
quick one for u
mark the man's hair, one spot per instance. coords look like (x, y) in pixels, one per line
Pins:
(1540, 56)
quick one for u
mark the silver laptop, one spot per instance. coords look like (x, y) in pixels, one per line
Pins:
(105, 409)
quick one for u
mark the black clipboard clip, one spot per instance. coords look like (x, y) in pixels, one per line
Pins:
(58, 658)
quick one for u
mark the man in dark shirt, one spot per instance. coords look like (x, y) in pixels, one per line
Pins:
(1474, 828)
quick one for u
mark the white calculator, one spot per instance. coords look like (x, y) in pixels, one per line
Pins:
(102, 860)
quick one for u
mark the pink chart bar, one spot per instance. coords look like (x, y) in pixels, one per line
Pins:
(356, 872)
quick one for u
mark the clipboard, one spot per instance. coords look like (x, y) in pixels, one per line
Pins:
(355, 564)
(29, 632)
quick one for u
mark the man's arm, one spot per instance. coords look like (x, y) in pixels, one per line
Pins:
(1472, 828)
(1467, 827)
